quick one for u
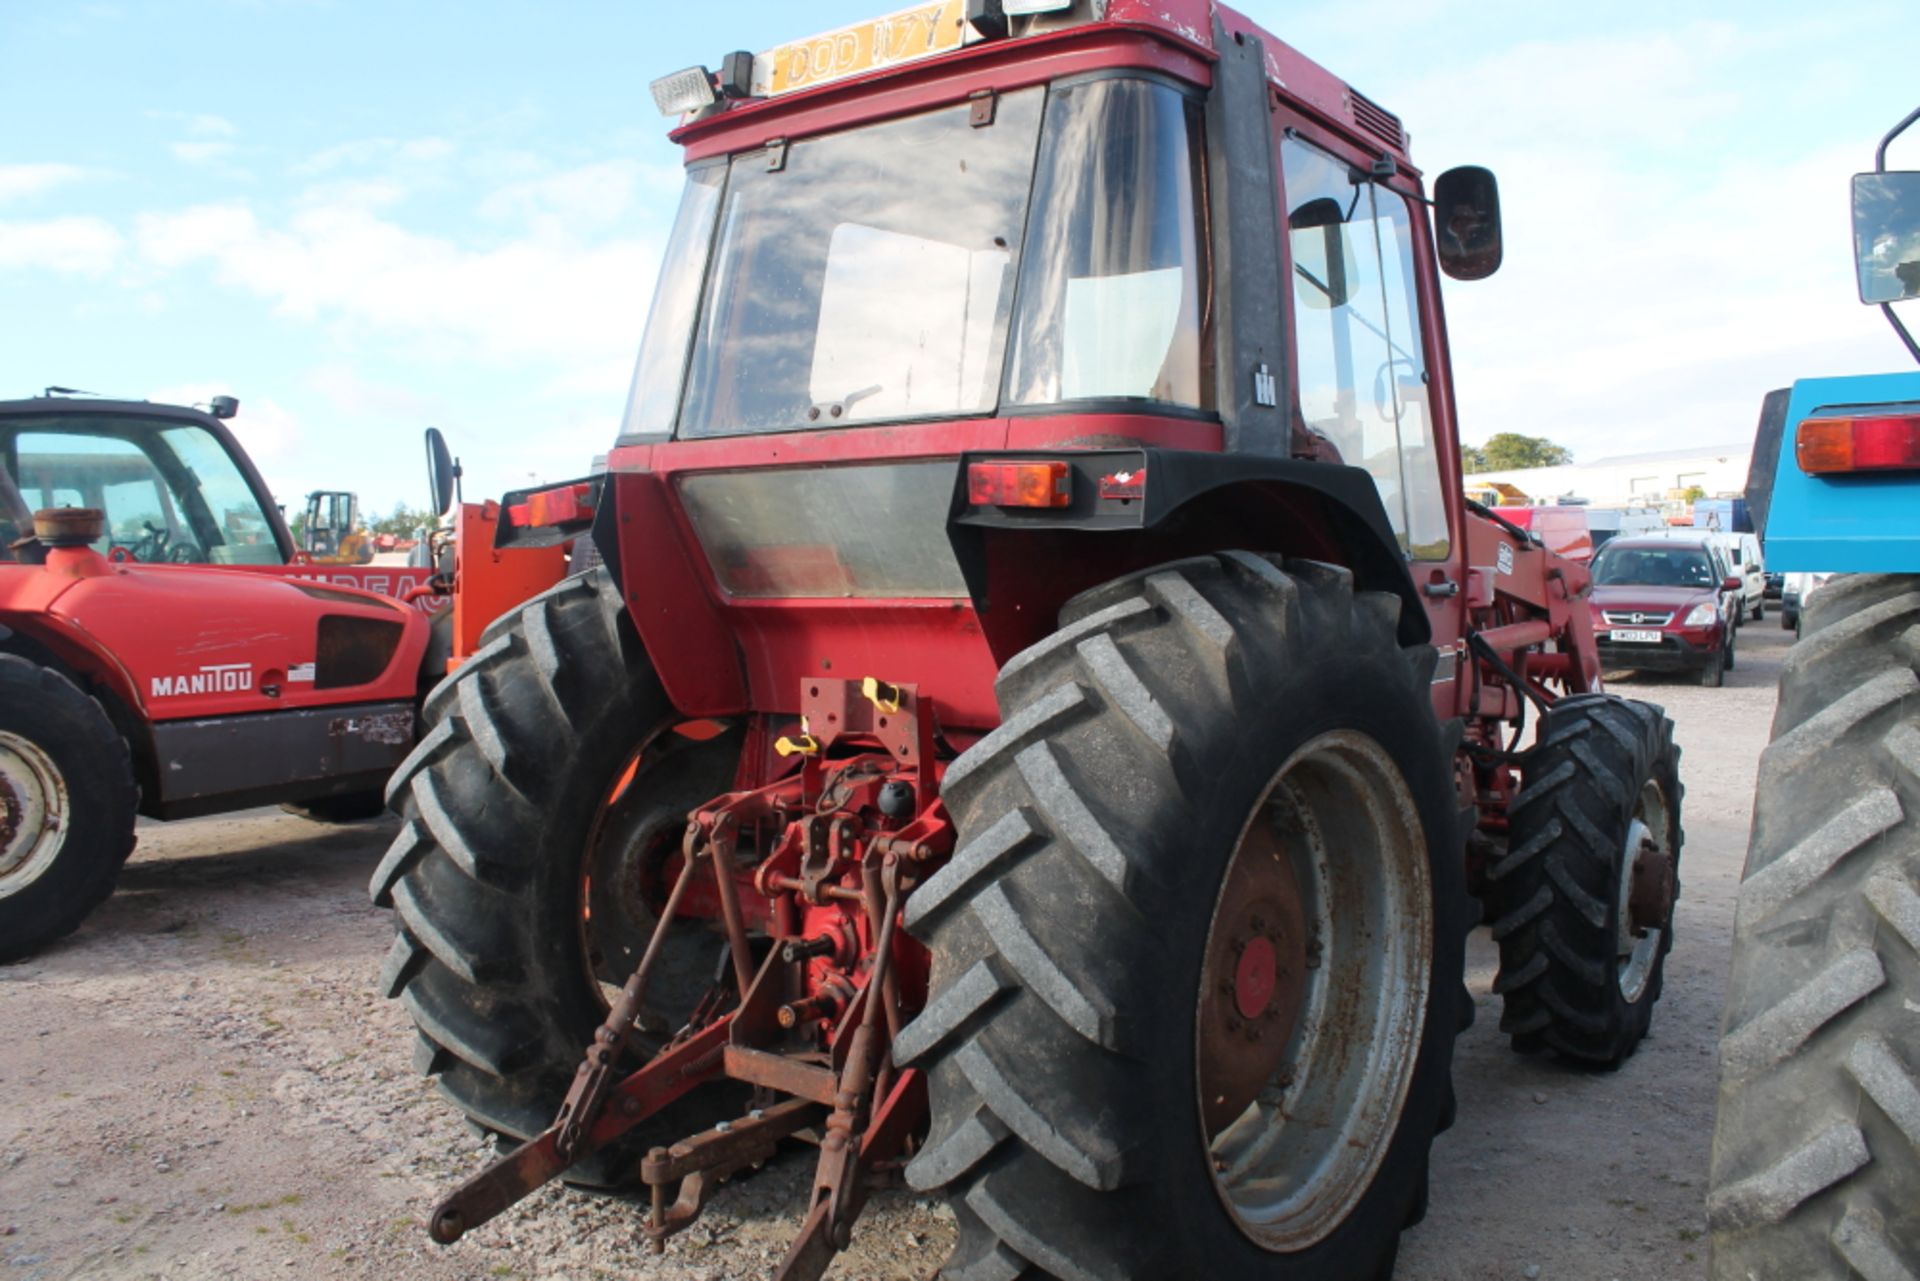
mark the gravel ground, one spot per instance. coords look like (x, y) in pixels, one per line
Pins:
(203, 1083)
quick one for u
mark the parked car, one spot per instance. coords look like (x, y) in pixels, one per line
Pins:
(1776, 585)
(1665, 604)
(1739, 554)
(1793, 598)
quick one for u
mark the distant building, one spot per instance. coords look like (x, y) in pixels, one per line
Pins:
(1651, 479)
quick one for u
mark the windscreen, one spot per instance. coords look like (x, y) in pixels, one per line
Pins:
(1621, 566)
(864, 276)
(171, 493)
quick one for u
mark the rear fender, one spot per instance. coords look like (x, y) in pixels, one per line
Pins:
(1133, 508)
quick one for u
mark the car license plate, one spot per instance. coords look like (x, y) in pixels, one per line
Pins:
(1634, 637)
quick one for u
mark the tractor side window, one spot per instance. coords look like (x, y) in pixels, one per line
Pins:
(1113, 289)
(1361, 372)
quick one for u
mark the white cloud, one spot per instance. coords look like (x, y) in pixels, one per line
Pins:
(590, 198)
(207, 126)
(341, 261)
(364, 152)
(268, 431)
(200, 153)
(20, 181)
(77, 245)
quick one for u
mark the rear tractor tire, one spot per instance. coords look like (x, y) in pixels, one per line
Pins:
(539, 806)
(67, 805)
(1816, 1149)
(1146, 963)
(1582, 901)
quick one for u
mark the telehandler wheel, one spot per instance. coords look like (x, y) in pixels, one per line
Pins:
(1582, 901)
(1197, 961)
(67, 805)
(354, 807)
(1816, 1148)
(540, 807)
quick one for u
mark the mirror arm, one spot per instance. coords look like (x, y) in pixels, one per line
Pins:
(1901, 329)
(1880, 166)
(1880, 156)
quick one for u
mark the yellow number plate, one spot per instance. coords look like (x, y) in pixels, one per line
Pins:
(919, 32)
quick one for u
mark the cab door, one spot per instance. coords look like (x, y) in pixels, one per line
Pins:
(1367, 364)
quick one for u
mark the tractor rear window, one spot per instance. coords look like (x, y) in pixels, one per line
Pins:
(865, 276)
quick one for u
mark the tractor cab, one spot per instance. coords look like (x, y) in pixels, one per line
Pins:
(173, 484)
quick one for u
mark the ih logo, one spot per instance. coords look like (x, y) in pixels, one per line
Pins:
(222, 678)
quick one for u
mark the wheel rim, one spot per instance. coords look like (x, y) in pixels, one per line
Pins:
(34, 813)
(1646, 891)
(1333, 863)
(630, 855)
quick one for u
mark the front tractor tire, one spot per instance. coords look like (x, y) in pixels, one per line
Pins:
(1816, 1148)
(544, 783)
(1581, 902)
(1209, 885)
(67, 806)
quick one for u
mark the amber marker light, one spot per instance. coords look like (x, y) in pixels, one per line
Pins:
(1019, 484)
(1839, 446)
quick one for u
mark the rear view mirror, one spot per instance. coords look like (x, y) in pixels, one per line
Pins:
(1321, 256)
(1731, 584)
(1466, 216)
(1886, 235)
(442, 471)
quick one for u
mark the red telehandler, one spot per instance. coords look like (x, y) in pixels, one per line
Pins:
(1046, 719)
(165, 650)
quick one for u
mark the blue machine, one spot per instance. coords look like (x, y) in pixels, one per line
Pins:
(1866, 523)
(1835, 481)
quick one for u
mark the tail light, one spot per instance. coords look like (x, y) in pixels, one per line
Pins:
(1039, 484)
(1877, 442)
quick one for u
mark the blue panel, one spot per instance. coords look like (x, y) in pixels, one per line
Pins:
(1849, 524)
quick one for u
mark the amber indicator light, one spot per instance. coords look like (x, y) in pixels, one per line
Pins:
(1019, 484)
(1882, 442)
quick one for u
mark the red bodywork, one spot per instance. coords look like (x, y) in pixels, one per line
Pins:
(804, 675)
(1563, 530)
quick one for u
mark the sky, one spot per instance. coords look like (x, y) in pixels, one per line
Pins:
(364, 219)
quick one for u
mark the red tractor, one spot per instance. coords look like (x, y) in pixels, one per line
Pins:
(1046, 719)
(142, 672)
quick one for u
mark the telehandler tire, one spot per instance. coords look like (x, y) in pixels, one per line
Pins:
(1147, 952)
(538, 807)
(67, 805)
(1816, 1149)
(1581, 902)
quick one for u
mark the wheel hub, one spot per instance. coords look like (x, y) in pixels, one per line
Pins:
(1255, 976)
(1650, 897)
(33, 812)
(1648, 885)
